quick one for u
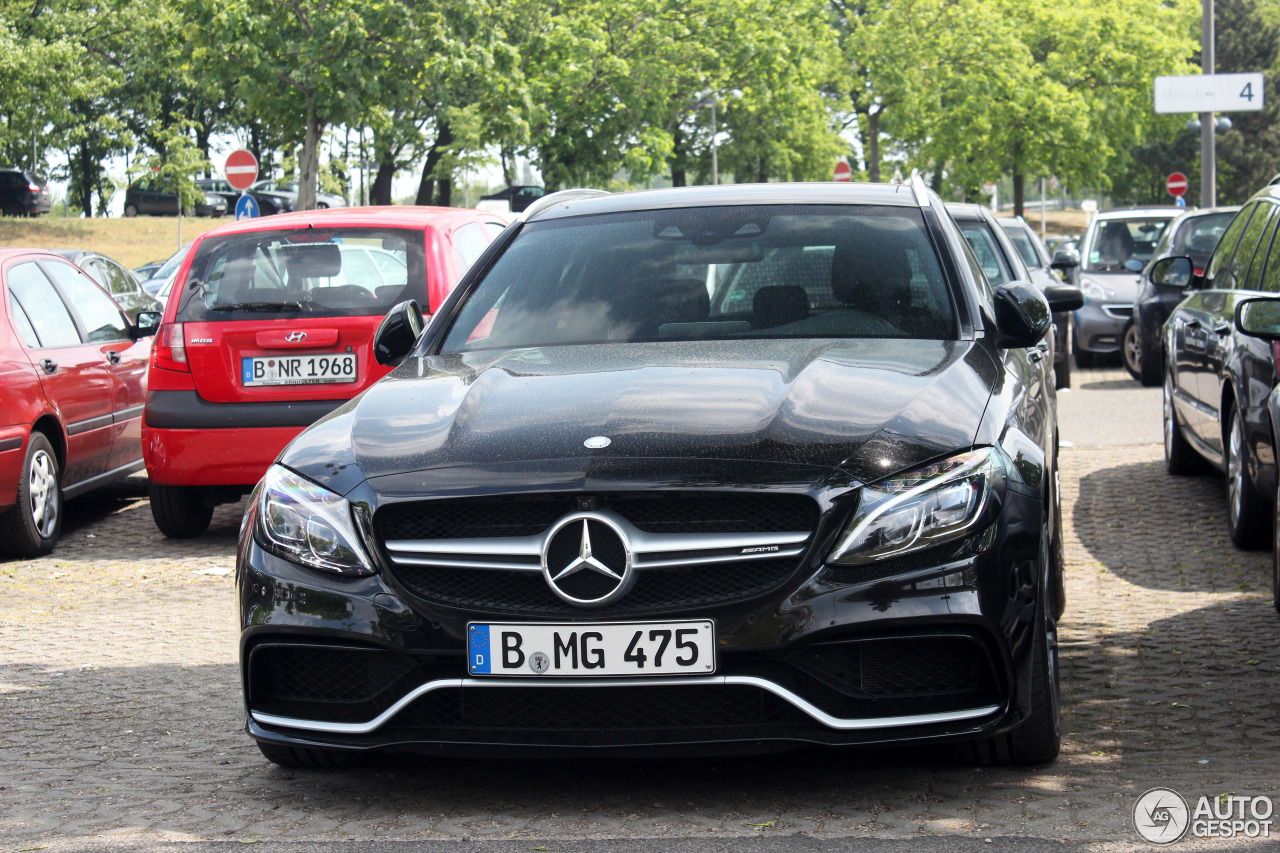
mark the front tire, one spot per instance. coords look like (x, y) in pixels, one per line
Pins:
(1179, 458)
(1247, 517)
(31, 526)
(179, 511)
(1151, 366)
(130, 210)
(15, 210)
(1039, 738)
(1131, 350)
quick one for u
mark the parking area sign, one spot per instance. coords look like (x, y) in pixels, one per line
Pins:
(1209, 93)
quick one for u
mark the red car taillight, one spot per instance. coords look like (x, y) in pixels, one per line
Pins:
(33, 188)
(1198, 272)
(169, 350)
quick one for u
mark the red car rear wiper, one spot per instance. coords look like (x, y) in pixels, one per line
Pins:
(258, 306)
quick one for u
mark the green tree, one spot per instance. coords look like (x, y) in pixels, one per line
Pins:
(300, 65)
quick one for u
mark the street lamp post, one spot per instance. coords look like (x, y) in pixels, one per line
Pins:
(1208, 144)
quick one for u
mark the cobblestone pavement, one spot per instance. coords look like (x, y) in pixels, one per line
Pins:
(120, 716)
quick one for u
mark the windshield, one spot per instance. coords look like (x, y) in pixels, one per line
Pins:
(1115, 242)
(340, 272)
(711, 273)
(1026, 249)
(984, 246)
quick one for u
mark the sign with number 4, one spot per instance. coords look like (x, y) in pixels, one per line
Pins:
(1209, 93)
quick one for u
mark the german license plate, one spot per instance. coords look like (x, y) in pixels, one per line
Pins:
(578, 649)
(298, 369)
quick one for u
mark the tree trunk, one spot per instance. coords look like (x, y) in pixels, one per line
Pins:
(87, 165)
(938, 169)
(873, 146)
(381, 191)
(1019, 191)
(427, 186)
(444, 192)
(508, 165)
(309, 162)
(679, 176)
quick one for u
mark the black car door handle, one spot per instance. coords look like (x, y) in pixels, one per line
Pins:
(1222, 330)
(113, 356)
(1035, 355)
(1193, 324)
(49, 365)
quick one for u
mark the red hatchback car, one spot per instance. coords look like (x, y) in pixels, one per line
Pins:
(72, 385)
(269, 326)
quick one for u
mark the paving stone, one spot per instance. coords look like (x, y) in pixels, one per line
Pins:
(121, 718)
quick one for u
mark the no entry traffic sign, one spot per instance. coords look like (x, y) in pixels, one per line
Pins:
(843, 171)
(241, 169)
(1176, 184)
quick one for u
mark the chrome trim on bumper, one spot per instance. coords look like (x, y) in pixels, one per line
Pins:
(711, 680)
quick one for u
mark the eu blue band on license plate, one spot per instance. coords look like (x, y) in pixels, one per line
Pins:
(246, 365)
(478, 649)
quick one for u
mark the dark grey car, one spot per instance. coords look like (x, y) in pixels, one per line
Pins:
(1045, 272)
(122, 284)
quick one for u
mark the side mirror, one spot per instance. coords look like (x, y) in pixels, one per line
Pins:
(1022, 315)
(147, 323)
(1259, 318)
(1133, 265)
(1172, 273)
(1065, 259)
(397, 333)
(1064, 297)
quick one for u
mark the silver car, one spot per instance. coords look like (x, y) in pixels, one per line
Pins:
(1113, 253)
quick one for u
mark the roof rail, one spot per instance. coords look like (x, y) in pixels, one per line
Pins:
(555, 198)
(920, 190)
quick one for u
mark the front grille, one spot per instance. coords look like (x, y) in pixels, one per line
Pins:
(652, 512)
(655, 590)
(687, 576)
(902, 668)
(599, 709)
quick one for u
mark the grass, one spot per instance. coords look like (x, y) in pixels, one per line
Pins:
(132, 242)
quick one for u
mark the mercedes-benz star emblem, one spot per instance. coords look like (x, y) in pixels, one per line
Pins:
(597, 442)
(296, 337)
(587, 560)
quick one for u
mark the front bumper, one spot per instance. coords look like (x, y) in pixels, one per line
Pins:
(937, 649)
(1099, 326)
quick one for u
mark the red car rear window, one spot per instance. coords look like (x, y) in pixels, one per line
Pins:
(342, 272)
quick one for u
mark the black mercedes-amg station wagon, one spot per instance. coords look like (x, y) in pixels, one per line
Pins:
(712, 468)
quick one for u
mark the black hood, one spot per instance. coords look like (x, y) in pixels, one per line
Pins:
(867, 407)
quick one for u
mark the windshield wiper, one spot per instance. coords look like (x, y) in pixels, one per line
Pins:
(259, 306)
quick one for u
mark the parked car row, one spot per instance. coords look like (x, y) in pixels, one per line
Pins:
(1220, 357)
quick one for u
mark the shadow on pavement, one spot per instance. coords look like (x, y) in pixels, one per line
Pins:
(1162, 532)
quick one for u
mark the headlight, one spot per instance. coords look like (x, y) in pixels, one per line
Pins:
(921, 508)
(213, 200)
(1094, 290)
(309, 524)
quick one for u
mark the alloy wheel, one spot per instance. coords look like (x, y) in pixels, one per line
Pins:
(1235, 468)
(1167, 409)
(1132, 349)
(43, 490)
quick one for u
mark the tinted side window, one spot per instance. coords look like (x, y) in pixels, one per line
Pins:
(1227, 247)
(1233, 276)
(984, 246)
(119, 281)
(100, 315)
(1254, 279)
(49, 316)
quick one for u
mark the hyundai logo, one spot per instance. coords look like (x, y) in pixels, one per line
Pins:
(296, 337)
